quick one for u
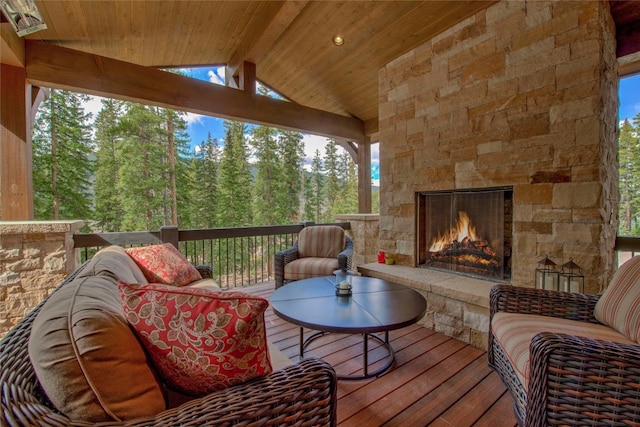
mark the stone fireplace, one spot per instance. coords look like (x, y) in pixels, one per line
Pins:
(523, 96)
(467, 232)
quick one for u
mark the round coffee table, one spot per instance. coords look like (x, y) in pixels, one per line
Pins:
(375, 306)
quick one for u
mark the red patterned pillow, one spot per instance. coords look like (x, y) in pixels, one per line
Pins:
(198, 340)
(164, 264)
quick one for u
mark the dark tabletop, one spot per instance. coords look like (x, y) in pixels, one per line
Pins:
(375, 306)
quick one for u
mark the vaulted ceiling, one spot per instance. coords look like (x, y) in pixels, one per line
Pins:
(290, 42)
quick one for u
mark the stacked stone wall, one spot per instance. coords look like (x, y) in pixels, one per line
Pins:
(522, 94)
(34, 259)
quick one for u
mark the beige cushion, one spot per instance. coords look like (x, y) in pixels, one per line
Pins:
(113, 262)
(209, 284)
(304, 268)
(322, 241)
(514, 333)
(86, 357)
(619, 305)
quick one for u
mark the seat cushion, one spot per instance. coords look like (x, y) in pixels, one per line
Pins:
(164, 264)
(321, 241)
(514, 333)
(619, 305)
(86, 357)
(305, 268)
(199, 341)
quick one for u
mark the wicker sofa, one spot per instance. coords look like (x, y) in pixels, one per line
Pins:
(303, 393)
(570, 359)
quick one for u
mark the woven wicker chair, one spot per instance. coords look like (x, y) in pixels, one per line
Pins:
(303, 394)
(573, 380)
(293, 253)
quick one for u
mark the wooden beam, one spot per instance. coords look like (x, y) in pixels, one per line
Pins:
(54, 66)
(16, 189)
(364, 178)
(11, 46)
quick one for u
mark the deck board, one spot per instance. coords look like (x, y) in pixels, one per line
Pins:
(435, 380)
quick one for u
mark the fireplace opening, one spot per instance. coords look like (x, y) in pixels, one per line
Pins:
(467, 232)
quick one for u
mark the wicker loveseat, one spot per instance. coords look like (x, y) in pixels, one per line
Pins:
(570, 359)
(299, 394)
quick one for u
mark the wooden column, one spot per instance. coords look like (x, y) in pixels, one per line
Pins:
(16, 187)
(364, 177)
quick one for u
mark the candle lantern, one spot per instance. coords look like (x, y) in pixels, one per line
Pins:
(571, 277)
(343, 282)
(547, 275)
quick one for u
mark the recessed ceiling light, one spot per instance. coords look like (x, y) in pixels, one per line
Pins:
(338, 40)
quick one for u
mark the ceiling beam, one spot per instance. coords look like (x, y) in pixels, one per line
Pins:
(54, 66)
(266, 33)
(11, 46)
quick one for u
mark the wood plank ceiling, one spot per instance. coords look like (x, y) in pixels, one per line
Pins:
(289, 41)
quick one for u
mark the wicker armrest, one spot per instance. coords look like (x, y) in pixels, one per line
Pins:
(575, 379)
(300, 394)
(281, 259)
(205, 271)
(521, 300)
(345, 257)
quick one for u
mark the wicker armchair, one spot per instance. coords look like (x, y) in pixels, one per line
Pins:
(300, 394)
(315, 253)
(573, 380)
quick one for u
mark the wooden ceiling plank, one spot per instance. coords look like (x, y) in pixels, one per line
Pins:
(54, 66)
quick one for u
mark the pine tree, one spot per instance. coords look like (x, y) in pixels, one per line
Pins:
(268, 177)
(314, 190)
(62, 148)
(234, 209)
(204, 200)
(108, 207)
(142, 184)
(291, 149)
(629, 177)
(347, 199)
(333, 182)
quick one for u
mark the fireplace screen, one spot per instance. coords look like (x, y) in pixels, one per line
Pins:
(467, 232)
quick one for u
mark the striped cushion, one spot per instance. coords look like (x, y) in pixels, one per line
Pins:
(514, 333)
(305, 268)
(322, 241)
(619, 305)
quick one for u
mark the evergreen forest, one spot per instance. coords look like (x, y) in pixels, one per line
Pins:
(133, 167)
(629, 177)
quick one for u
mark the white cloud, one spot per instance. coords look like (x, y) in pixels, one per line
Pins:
(93, 106)
(193, 118)
(217, 75)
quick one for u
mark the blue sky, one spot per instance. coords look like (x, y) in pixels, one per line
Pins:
(629, 94)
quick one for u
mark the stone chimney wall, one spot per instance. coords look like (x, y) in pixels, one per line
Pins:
(523, 94)
(35, 257)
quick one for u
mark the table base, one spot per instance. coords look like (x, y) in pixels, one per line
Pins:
(365, 354)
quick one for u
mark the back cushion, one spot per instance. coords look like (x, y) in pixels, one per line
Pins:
(114, 262)
(619, 305)
(86, 357)
(322, 241)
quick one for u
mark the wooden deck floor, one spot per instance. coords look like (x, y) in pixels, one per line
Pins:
(434, 381)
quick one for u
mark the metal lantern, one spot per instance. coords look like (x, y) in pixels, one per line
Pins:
(547, 275)
(571, 277)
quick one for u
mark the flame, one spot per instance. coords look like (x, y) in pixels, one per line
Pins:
(462, 230)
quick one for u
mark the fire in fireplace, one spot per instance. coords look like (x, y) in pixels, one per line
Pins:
(468, 232)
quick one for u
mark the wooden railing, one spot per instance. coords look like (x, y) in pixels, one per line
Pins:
(239, 256)
(627, 247)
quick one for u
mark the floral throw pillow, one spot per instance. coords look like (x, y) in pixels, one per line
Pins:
(198, 340)
(164, 264)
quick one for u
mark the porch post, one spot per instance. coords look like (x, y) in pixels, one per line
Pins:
(16, 187)
(364, 177)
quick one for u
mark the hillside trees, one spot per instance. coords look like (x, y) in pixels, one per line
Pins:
(629, 177)
(62, 163)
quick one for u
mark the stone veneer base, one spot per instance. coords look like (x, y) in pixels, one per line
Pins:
(457, 306)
